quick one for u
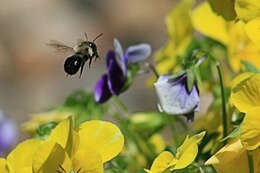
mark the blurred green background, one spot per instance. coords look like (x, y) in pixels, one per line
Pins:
(31, 73)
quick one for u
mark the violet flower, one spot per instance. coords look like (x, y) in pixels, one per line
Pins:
(174, 97)
(113, 81)
(8, 133)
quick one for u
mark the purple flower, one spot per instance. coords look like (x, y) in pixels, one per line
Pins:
(8, 133)
(112, 83)
(174, 97)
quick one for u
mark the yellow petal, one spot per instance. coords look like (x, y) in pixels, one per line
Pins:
(245, 96)
(250, 136)
(226, 8)
(88, 160)
(179, 24)
(104, 137)
(247, 9)
(161, 162)
(51, 157)
(157, 142)
(208, 23)
(3, 166)
(241, 78)
(65, 135)
(253, 30)
(21, 157)
(231, 158)
(188, 151)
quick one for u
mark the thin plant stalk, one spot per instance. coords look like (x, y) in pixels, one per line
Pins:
(224, 112)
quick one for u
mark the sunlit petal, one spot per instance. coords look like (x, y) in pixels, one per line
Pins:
(105, 137)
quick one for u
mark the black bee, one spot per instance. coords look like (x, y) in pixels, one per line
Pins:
(83, 51)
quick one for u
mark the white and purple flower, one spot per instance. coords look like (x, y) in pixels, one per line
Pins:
(114, 80)
(175, 98)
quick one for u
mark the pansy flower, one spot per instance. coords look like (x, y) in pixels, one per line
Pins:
(67, 150)
(8, 133)
(175, 98)
(114, 80)
(185, 155)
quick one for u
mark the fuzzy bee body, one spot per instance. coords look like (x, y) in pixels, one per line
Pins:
(84, 51)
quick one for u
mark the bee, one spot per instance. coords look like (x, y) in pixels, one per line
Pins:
(83, 51)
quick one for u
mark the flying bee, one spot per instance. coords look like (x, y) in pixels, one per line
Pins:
(83, 51)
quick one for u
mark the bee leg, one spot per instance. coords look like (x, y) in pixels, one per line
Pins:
(90, 60)
(96, 57)
(81, 68)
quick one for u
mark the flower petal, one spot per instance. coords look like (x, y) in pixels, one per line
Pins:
(188, 151)
(247, 9)
(118, 48)
(115, 76)
(250, 136)
(51, 157)
(137, 53)
(87, 160)
(246, 94)
(231, 158)
(8, 133)
(104, 137)
(101, 91)
(208, 23)
(65, 135)
(161, 162)
(253, 30)
(22, 156)
(174, 97)
(3, 166)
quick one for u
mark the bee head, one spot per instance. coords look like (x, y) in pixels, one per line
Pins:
(92, 45)
(72, 64)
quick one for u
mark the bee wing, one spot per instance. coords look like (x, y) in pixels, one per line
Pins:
(59, 46)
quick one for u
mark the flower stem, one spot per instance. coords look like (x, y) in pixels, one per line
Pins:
(250, 161)
(224, 113)
(156, 74)
(172, 123)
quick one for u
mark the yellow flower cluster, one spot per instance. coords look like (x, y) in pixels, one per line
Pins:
(67, 149)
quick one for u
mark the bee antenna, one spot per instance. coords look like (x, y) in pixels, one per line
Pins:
(97, 37)
(86, 36)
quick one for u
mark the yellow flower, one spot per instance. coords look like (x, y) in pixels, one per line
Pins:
(250, 136)
(231, 34)
(245, 92)
(21, 158)
(247, 9)
(233, 158)
(66, 150)
(157, 142)
(185, 155)
(36, 120)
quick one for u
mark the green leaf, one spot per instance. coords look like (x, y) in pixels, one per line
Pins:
(177, 74)
(132, 70)
(190, 79)
(235, 133)
(44, 130)
(250, 67)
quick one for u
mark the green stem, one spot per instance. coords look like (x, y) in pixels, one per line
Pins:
(250, 161)
(156, 74)
(172, 123)
(120, 104)
(224, 113)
